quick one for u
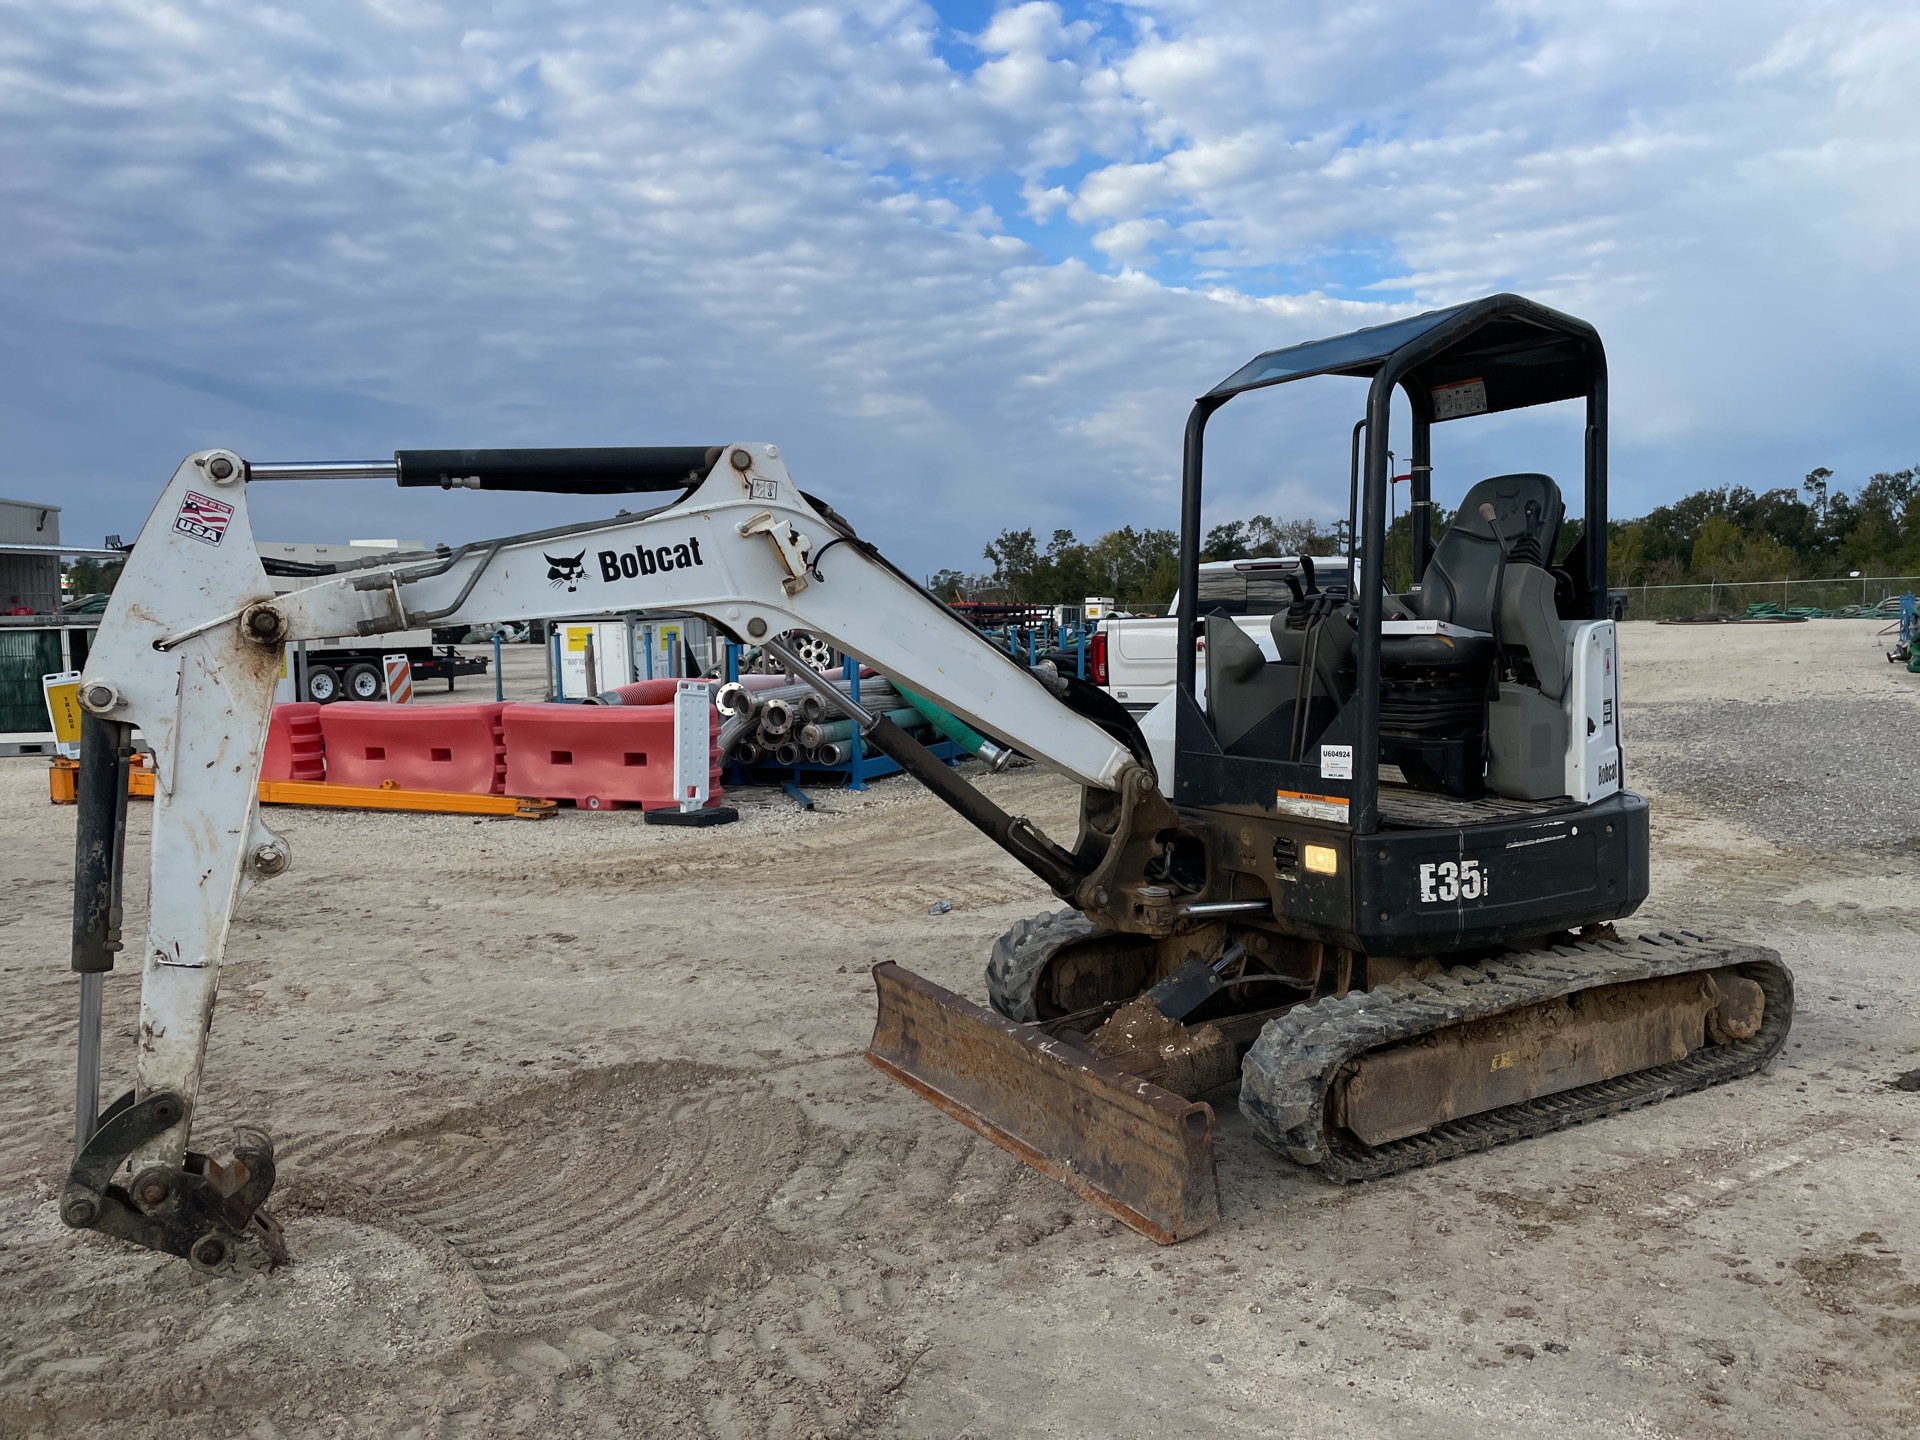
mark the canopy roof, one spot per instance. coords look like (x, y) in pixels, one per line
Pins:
(1516, 352)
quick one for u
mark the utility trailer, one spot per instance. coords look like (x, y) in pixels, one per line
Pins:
(333, 671)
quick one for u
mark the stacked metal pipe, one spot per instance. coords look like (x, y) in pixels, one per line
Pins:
(786, 722)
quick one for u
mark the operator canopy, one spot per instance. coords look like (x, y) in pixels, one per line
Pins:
(1501, 353)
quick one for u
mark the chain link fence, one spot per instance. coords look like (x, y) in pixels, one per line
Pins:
(1846, 596)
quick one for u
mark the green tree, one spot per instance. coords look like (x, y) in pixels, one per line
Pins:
(1716, 549)
(1816, 529)
(1626, 553)
(94, 577)
(1267, 537)
(1015, 559)
(1226, 542)
(1816, 487)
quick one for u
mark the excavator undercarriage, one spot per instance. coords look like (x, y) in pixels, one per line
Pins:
(1359, 1081)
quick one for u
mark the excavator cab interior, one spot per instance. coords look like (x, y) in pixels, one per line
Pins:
(1461, 687)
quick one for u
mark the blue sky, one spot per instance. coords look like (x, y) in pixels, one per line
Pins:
(968, 264)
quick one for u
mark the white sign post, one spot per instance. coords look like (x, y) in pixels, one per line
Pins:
(691, 701)
(692, 760)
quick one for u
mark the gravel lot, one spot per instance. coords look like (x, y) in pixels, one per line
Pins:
(576, 1140)
(1762, 725)
(1800, 772)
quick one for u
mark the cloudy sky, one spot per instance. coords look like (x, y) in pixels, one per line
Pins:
(967, 263)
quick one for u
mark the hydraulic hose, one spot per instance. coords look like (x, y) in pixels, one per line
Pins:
(946, 722)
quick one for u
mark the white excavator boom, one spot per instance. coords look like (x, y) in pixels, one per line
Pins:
(191, 647)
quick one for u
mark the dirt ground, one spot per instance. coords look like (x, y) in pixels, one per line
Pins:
(576, 1140)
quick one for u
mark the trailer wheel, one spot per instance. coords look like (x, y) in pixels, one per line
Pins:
(364, 682)
(323, 684)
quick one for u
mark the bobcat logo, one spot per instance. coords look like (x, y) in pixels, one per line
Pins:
(567, 570)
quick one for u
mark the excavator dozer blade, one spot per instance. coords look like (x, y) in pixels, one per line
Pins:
(1142, 1154)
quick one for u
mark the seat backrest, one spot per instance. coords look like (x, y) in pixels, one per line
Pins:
(1459, 582)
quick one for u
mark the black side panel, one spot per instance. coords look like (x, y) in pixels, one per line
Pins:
(1204, 777)
(100, 841)
(1440, 891)
(1419, 890)
(616, 471)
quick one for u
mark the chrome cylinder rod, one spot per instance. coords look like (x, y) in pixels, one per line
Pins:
(1205, 908)
(86, 1085)
(324, 470)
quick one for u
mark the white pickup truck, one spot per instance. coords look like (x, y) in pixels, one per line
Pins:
(1133, 656)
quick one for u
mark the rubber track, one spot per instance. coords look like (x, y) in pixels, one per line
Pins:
(1021, 955)
(1285, 1077)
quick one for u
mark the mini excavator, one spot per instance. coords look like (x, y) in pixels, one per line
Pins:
(1371, 878)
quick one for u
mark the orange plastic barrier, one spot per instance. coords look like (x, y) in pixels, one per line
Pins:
(599, 757)
(295, 749)
(457, 749)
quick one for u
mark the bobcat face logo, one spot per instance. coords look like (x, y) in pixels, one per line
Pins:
(567, 570)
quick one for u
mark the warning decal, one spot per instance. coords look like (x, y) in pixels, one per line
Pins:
(1309, 806)
(1463, 397)
(202, 519)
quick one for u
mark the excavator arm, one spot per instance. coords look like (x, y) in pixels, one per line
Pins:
(191, 647)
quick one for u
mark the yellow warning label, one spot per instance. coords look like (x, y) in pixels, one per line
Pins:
(63, 706)
(578, 635)
(1505, 1060)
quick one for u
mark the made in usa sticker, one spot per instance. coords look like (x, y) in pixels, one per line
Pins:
(203, 519)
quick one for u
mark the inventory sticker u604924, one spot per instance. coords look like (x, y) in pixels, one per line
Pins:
(203, 519)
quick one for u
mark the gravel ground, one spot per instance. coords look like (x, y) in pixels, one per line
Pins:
(1802, 757)
(1800, 772)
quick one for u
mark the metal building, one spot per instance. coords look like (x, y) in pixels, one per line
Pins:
(29, 557)
(36, 638)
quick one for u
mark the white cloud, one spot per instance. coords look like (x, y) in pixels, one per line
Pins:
(966, 279)
(1129, 240)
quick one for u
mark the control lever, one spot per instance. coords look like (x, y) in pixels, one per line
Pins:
(1190, 986)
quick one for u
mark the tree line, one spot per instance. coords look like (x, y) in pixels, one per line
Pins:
(1814, 532)
(1810, 532)
(1733, 533)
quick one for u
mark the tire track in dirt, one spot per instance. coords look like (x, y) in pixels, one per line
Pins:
(572, 1197)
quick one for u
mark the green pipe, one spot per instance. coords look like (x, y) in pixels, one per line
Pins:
(943, 720)
(838, 732)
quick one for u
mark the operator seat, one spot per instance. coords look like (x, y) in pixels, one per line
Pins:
(1462, 578)
(1434, 716)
